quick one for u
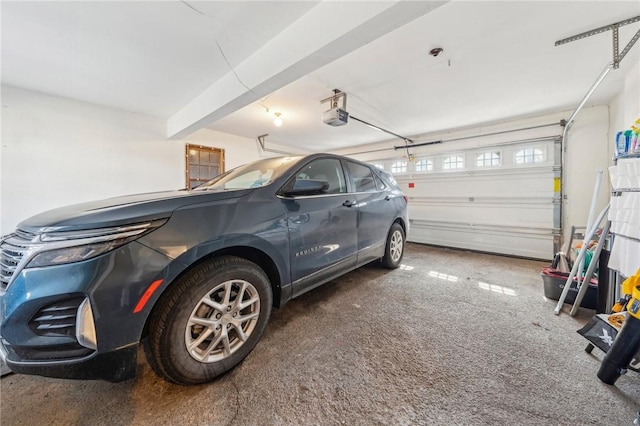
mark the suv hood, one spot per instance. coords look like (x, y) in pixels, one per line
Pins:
(120, 210)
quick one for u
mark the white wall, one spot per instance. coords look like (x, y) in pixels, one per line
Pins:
(57, 151)
(586, 152)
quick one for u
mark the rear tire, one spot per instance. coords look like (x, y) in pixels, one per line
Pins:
(394, 249)
(209, 320)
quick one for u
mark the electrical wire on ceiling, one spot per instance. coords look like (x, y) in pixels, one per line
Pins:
(260, 100)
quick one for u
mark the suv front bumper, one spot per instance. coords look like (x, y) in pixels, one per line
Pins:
(115, 366)
(40, 315)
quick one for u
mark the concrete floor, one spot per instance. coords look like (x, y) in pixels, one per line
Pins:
(432, 343)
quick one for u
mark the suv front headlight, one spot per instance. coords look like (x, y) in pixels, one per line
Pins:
(75, 246)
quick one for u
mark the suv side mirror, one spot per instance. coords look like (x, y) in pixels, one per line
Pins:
(307, 187)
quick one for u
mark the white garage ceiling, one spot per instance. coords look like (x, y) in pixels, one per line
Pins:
(172, 60)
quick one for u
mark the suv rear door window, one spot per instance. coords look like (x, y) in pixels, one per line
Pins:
(362, 177)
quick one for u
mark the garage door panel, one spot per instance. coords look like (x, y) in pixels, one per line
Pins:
(508, 207)
(525, 214)
(524, 241)
(533, 182)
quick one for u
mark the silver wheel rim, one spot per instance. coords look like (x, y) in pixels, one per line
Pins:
(395, 248)
(222, 321)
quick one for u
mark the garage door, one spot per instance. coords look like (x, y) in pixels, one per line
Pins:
(501, 198)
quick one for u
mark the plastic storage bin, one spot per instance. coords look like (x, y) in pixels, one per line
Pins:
(554, 281)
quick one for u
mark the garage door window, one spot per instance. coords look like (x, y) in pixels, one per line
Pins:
(453, 162)
(424, 165)
(399, 167)
(203, 164)
(529, 156)
(488, 159)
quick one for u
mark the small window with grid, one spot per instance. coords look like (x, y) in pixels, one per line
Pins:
(203, 164)
(399, 167)
(453, 162)
(488, 159)
(424, 165)
(530, 156)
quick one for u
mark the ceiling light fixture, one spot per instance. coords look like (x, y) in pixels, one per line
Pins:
(277, 121)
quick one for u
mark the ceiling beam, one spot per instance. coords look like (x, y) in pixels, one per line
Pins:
(327, 32)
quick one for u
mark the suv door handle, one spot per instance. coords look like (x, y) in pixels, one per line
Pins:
(348, 203)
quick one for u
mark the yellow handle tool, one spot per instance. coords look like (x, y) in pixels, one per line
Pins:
(634, 304)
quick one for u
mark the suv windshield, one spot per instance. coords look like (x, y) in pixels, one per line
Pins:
(253, 175)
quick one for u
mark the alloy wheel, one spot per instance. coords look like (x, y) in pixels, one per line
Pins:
(222, 321)
(397, 242)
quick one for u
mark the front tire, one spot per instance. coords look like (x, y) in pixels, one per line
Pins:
(394, 249)
(209, 320)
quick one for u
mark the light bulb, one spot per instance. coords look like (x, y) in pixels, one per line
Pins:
(278, 121)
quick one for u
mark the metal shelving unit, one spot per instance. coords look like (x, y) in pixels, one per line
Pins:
(617, 277)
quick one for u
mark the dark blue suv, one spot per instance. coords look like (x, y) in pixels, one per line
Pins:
(191, 274)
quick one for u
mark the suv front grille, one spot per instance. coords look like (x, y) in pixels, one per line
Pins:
(10, 256)
(13, 249)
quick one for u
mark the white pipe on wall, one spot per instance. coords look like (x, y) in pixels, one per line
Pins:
(565, 132)
(593, 88)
